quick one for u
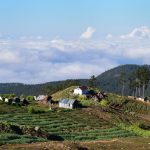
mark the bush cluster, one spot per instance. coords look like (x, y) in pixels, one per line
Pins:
(35, 110)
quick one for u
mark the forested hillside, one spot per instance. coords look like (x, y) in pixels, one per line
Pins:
(107, 81)
(110, 80)
(36, 89)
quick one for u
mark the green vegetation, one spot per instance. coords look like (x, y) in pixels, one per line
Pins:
(35, 110)
(139, 79)
(92, 81)
(104, 103)
(127, 105)
(107, 81)
(113, 117)
(72, 125)
(10, 138)
(135, 128)
(66, 93)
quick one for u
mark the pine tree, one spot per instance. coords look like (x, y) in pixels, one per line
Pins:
(143, 76)
(122, 81)
(92, 81)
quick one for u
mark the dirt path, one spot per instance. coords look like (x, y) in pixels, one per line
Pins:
(137, 143)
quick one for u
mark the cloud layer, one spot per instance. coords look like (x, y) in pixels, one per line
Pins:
(142, 32)
(36, 60)
(88, 33)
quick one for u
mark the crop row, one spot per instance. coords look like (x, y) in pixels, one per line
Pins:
(18, 139)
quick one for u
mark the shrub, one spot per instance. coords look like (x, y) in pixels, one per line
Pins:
(144, 126)
(139, 131)
(135, 128)
(104, 103)
(34, 110)
(82, 97)
(30, 98)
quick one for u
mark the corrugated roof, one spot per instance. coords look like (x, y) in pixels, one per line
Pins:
(66, 101)
(72, 101)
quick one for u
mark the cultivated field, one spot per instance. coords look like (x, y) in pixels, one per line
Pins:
(74, 125)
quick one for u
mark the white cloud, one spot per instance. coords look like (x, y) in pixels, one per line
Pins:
(88, 33)
(141, 33)
(36, 60)
(7, 56)
(32, 61)
(109, 36)
(62, 45)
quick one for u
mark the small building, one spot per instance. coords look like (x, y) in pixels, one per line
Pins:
(6, 100)
(44, 99)
(81, 90)
(16, 100)
(41, 97)
(147, 99)
(1, 99)
(65, 103)
(24, 101)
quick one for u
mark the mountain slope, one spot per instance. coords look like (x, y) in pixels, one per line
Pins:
(107, 81)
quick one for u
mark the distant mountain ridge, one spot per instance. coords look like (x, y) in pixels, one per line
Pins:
(107, 81)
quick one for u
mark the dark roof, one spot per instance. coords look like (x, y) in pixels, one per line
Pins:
(83, 87)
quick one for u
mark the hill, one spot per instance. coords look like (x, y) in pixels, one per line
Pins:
(119, 118)
(36, 89)
(66, 93)
(107, 81)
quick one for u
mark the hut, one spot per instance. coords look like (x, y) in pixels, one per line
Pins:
(66, 103)
(44, 99)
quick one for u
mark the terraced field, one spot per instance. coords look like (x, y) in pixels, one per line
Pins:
(9, 138)
(72, 125)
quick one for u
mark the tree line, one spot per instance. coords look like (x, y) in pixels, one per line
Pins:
(137, 81)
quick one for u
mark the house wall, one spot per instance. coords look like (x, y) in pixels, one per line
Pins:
(6, 100)
(62, 105)
(84, 91)
(77, 91)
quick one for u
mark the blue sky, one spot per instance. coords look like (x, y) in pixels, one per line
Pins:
(64, 36)
(69, 18)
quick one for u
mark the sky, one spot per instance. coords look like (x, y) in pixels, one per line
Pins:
(51, 40)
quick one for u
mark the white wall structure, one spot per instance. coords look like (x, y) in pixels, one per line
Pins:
(6, 100)
(64, 103)
(77, 91)
(80, 91)
(1, 98)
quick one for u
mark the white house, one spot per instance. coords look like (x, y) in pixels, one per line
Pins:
(6, 100)
(80, 90)
(1, 98)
